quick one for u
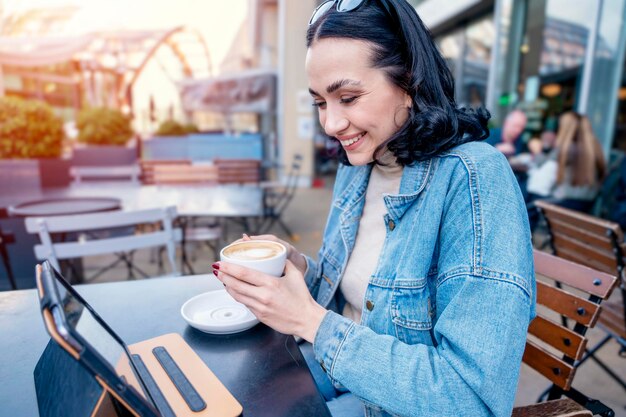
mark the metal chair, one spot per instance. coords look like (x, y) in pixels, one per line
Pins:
(598, 244)
(277, 199)
(88, 235)
(199, 230)
(552, 348)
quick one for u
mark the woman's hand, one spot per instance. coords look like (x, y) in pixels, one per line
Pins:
(293, 254)
(284, 304)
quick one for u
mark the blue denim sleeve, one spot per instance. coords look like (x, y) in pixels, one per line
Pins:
(473, 371)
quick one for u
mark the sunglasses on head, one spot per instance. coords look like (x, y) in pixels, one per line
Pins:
(342, 6)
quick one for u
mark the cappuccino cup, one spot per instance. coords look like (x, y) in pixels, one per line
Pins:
(262, 255)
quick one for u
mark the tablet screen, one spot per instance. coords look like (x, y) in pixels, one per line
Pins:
(102, 340)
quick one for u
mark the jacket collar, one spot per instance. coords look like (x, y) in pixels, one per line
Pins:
(414, 179)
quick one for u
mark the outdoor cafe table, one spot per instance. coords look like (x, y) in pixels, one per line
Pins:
(262, 368)
(190, 200)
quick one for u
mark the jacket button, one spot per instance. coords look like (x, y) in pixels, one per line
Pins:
(369, 305)
(392, 225)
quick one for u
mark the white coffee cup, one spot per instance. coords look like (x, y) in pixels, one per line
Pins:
(262, 255)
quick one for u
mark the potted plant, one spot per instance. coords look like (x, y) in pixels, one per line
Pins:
(31, 135)
(106, 134)
(173, 128)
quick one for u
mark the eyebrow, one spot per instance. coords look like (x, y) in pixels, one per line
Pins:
(336, 86)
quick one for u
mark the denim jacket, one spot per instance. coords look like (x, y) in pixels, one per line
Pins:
(447, 308)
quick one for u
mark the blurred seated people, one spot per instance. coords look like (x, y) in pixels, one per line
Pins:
(572, 173)
(507, 139)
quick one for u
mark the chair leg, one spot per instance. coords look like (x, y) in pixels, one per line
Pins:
(555, 393)
(7, 266)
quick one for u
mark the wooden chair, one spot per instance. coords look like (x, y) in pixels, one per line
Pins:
(238, 171)
(91, 235)
(598, 244)
(552, 348)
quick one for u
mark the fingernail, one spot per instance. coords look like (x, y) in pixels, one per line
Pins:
(245, 236)
(215, 273)
(216, 266)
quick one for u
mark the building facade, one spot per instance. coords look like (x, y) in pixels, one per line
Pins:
(543, 56)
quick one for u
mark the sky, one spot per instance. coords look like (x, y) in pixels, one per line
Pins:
(217, 20)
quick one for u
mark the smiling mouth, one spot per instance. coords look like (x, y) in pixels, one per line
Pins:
(349, 142)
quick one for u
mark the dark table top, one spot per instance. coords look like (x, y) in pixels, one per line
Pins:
(262, 368)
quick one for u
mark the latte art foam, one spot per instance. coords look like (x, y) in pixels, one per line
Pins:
(252, 251)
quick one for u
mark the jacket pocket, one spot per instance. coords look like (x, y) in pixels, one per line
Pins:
(411, 310)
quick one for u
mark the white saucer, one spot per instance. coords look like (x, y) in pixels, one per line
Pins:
(217, 312)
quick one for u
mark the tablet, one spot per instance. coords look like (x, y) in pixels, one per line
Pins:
(160, 377)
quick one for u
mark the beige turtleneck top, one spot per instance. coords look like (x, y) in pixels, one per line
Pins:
(370, 236)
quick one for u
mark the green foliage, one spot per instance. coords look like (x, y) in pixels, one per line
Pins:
(103, 126)
(173, 128)
(29, 129)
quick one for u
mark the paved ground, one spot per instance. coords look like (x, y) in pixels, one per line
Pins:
(306, 216)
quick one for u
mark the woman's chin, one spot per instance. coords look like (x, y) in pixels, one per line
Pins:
(359, 160)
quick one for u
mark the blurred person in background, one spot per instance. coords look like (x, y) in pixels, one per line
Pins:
(508, 139)
(572, 174)
(420, 300)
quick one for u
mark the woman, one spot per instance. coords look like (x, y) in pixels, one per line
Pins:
(420, 301)
(581, 165)
(572, 174)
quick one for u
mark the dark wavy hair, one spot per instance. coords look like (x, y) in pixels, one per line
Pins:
(404, 49)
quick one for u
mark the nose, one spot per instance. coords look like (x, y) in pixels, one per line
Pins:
(334, 122)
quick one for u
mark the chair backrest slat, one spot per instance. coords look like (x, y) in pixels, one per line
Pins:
(567, 341)
(69, 250)
(576, 308)
(601, 242)
(554, 369)
(575, 275)
(599, 258)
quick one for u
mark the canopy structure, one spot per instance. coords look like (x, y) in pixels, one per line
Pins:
(251, 91)
(96, 69)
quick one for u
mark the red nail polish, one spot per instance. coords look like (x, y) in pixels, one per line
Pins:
(215, 273)
(216, 266)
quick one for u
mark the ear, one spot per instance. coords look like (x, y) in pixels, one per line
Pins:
(408, 101)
